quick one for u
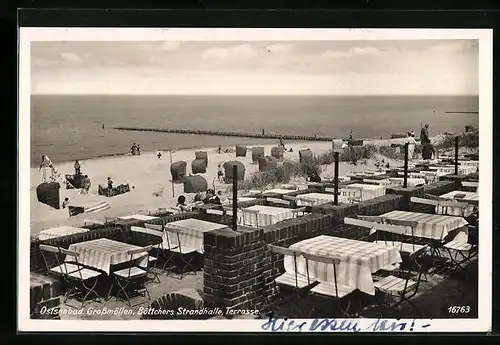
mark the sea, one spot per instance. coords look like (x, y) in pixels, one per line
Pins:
(70, 127)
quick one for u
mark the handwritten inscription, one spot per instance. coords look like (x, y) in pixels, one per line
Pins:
(274, 324)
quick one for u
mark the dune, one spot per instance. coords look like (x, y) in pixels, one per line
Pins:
(150, 180)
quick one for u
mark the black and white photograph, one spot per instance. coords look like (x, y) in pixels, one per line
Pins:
(258, 179)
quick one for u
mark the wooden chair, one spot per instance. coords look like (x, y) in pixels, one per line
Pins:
(404, 288)
(186, 253)
(155, 238)
(134, 277)
(166, 251)
(78, 278)
(330, 289)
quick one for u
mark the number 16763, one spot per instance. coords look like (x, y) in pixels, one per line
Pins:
(459, 309)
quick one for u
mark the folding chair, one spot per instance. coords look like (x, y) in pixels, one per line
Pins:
(404, 288)
(330, 289)
(166, 251)
(77, 277)
(294, 281)
(61, 267)
(134, 277)
(463, 254)
(299, 212)
(402, 228)
(253, 212)
(154, 236)
(182, 250)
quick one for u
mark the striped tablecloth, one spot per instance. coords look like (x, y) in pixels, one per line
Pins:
(312, 199)
(432, 226)
(368, 191)
(469, 163)
(102, 253)
(191, 234)
(468, 195)
(138, 217)
(412, 182)
(450, 169)
(60, 231)
(267, 215)
(359, 260)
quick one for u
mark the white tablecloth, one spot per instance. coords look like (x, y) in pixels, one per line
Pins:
(138, 217)
(277, 191)
(450, 169)
(368, 191)
(267, 215)
(191, 234)
(468, 195)
(432, 226)
(412, 182)
(59, 231)
(102, 253)
(312, 199)
(359, 260)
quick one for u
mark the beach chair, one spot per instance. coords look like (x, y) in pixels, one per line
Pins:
(134, 278)
(80, 281)
(330, 289)
(403, 287)
(186, 253)
(155, 238)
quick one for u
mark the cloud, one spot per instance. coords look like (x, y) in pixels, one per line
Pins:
(354, 51)
(71, 57)
(170, 46)
(41, 62)
(242, 51)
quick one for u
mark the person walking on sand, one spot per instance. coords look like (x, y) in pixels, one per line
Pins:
(86, 185)
(133, 148)
(77, 168)
(158, 155)
(220, 149)
(110, 183)
(410, 140)
(424, 135)
(139, 149)
(45, 168)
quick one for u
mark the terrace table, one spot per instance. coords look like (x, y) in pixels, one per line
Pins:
(277, 191)
(313, 199)
(138, 217)
(450, 169)
(359, 260)
(266, 215)
(59, 231)
(368, 191)
(242, 199)
(473, 196)
(102, 253)
(412, 182)
(191, 233)
(431, 226)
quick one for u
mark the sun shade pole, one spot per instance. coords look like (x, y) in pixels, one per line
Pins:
(235, 197)
(336, 179)
(405, 178)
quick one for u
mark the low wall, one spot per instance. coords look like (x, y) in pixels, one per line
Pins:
(239, 270)
(406, 193)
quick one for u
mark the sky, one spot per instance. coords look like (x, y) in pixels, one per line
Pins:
(410, 67)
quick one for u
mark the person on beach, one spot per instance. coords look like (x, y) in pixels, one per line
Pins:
(77, 168)
(223, 200)
(181, 204)
(211, 198)
(110, 183)
(198, 198)
(315, 177)
(350, 135)
(65, 202)
(158, 155)
(220, 174)
(133, 149)
(424, 135)
(138, 149)
(411, 145)
(86, 185)
(220, 149)
(46, 167)
(103, 126)
(282, 144)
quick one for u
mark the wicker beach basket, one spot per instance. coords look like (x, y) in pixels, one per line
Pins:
(178, 171)
(257, 152)
(241, 151)
(199, 166)
(201, 155)
(195, 184)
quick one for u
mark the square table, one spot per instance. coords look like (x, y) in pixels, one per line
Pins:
(59, 231)
(431, 226)
(359, 259)
(368, 191)
(473, 196)
(102, 253)
(138, 217)
(313, 199)
(412, 182)
(266, 215)
(191, 233)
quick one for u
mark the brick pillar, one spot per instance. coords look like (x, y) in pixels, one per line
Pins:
(407, 193)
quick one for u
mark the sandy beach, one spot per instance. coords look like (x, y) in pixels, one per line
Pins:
(150, 181)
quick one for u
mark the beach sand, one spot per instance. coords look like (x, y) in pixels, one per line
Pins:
(150, 181)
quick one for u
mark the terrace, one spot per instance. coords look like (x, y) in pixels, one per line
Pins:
(225, 267)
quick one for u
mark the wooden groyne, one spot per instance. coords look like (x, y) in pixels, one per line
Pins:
(229, 134)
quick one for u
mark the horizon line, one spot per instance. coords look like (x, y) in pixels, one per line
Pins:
(251, 94)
